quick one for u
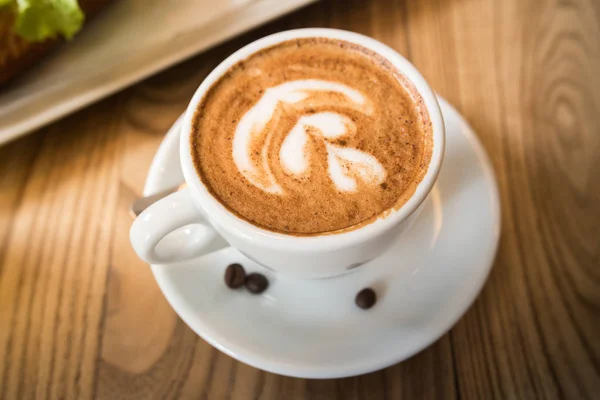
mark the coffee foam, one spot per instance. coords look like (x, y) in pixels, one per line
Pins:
(293, 155)
(311, 136)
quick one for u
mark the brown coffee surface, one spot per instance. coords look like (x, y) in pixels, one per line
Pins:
(312, 136)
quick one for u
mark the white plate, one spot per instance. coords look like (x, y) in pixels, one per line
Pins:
(129, 41)
(313, 329)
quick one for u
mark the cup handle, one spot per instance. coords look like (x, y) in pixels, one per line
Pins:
(160, 219)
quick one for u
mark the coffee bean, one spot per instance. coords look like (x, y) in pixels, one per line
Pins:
(256, 283)
(235, 276)
(366, 298)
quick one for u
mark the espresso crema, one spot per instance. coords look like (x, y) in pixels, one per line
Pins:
(312, 136)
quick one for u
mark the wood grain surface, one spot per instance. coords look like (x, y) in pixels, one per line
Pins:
(82, 317)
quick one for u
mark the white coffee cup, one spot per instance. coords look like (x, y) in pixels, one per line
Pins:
(300, 256)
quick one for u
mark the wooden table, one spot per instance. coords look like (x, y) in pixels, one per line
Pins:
(81, 316)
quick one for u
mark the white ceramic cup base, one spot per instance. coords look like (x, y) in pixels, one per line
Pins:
(312, 328)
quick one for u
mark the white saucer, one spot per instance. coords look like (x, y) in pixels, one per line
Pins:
(313, 329)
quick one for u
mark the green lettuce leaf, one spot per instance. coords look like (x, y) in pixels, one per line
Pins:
(38, 20)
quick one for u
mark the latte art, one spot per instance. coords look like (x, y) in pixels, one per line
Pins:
(311, 136)
(345, 164)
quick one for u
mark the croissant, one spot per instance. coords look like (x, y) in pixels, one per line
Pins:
(17, 54)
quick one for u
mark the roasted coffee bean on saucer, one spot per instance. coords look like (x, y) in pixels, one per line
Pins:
(256, 283)
(366, 298)
(235, 276)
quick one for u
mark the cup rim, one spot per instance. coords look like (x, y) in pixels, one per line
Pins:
(223, 219)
